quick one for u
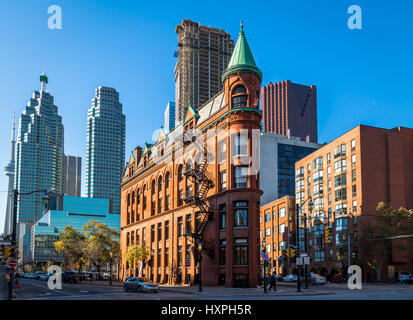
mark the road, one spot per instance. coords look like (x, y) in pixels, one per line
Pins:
(38, 290)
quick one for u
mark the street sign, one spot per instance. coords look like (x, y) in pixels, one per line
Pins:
(303, 255)
(5, 243)
(187, 262)
(306, 260)
(12, 263)
(299, 261)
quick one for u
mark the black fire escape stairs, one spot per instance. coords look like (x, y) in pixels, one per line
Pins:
(201, 178)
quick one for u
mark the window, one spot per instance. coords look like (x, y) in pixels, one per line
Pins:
(339, 151)
(328, 157)
(260, 219)
(353, 160)
(340, 165)
(159, 256)
(179, 256)
(168, 202)
(239, 97)
(159, 231)
(282, 228)
(329, 198)
(159, 205)
(267, 217)
(341, 224)
(167, 180)
(274, 231)
(241, 251)
(299, 185)
(180, 173)
(153, 187)
(299, 172)
(318, 176)
(318, 163)
(268, 248)
(222, 216)
(143, 237)
(180, 197)
(240, 143)
(267, 232)
(318, 189)
(160, 184)
(340, 180)
(241, 214)
(153, 207)
(353, 145)
(180, 227)
(127, 239)
(188, 254)
(355, 206)
(188, 225)
(281, 212)
(223, 252)
(328, 172)
(353, 190)
(282, 245)
(166, 257)
(318, 203)
(223, 180)
(241, 177)
(308, 168)
(329, 185)
(353, 175)
(341, 194)
(166, 230)
(222, 151)
(340, 209)
(152, 233)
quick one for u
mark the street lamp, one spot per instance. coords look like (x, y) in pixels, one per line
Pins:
(200, 263)
(298, 247)
(110, 268)
(263, 265)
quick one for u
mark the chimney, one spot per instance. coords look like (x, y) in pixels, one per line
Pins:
(138, 153)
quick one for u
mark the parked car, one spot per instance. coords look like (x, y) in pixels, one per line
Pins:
(140, 285)
(279, 277)
(44, 277)
(290, 278)
(31, 276)
(317, 279)
(406, 276)
(68, 277)
(106, 276)
(337, 278)
(38, 274)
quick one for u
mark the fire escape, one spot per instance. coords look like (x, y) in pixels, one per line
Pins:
(201, 178)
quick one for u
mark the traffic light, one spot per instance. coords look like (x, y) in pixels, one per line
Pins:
(327, 234)
(7, 252)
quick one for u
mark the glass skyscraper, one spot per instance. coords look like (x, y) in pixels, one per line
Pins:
(105, 153)
(38, 157)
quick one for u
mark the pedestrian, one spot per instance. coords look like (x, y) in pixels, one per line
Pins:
(401, 279)
(273, 282)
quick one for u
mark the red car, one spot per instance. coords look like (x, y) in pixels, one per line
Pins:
(337, 278)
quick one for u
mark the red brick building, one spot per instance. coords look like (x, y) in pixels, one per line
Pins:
(290, 109)
(348, 178)
(158, 192)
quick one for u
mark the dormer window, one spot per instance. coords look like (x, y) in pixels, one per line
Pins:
(239, 97)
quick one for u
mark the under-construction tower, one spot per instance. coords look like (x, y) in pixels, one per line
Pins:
(201, 178)
(203, 55)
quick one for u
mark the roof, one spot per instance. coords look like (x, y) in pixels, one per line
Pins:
(242, 58)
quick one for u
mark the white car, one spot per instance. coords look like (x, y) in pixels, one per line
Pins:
(290, 278)
(317, 279)
(406, 276)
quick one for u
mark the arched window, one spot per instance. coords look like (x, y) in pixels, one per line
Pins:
(153, 187)
(138, 197)
(180, 173)
(128, 199)
(239, 97)
(167, 180)
(160, 182)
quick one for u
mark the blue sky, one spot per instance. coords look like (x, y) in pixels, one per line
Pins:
(362, 76)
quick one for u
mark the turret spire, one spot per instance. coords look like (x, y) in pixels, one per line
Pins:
(43, 80)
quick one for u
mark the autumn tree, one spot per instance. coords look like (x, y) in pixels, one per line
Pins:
(378, 234)
(136, 254)
(73, 244)
(101, 241)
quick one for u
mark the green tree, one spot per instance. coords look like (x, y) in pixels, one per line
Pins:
(73, 244)
(136, 254)
(376, 243)
(101, 241)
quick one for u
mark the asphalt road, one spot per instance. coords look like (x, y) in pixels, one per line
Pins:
(38, 290)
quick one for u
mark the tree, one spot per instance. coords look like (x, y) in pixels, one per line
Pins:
(376, 243)
(136, 254)
(73, 244)
(101, 241)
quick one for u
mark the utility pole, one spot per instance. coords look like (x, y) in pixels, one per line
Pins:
(297, 246)
(306, 249)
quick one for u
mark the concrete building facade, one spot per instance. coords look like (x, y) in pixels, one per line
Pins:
(290, 109)
(203, 55)
(72, 171)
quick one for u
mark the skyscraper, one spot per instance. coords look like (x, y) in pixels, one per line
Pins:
(39, 156)
(72, 171)
(203, 55)
(170, 116)
(9, 172)
(105, 154)
(290, 109)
